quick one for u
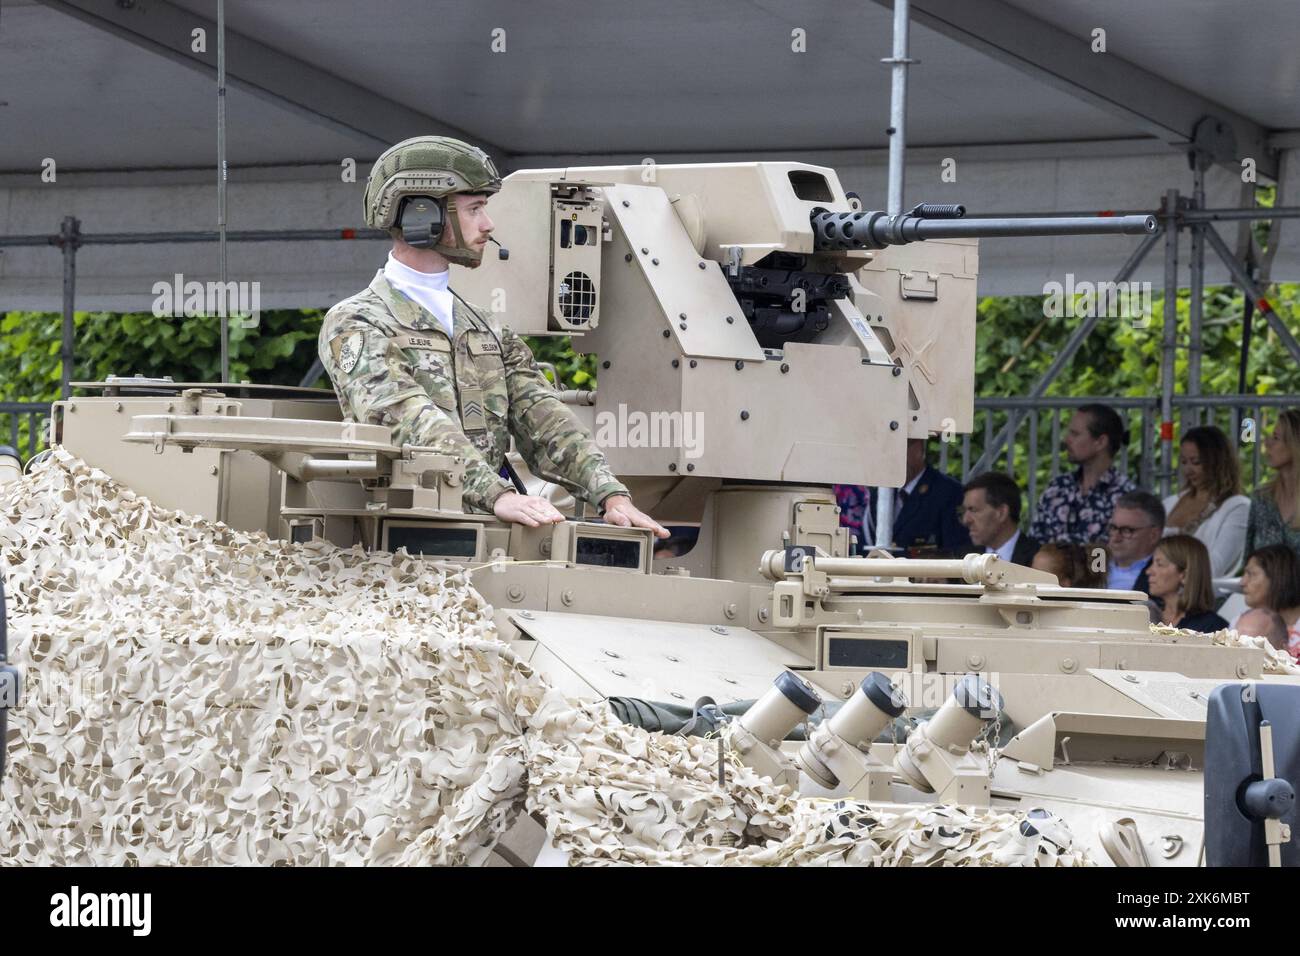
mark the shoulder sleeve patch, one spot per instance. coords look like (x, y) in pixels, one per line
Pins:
(346, 350)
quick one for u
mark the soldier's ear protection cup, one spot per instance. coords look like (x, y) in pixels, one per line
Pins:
(422, 220)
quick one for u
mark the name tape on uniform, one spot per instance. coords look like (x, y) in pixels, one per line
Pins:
(431, 342)
(481, 343)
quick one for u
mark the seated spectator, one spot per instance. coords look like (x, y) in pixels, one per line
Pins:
(1135, 530)
(925, 509)
(1181, 587)
(1073, 564)
(1211, 506)
(1077, 506)
(990, 510)
(1275, 507)
(1263, 622)
(1271, 580)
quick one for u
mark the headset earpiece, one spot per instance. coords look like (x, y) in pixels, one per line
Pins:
(422, 220)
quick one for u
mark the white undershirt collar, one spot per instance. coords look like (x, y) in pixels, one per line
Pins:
(427, 289)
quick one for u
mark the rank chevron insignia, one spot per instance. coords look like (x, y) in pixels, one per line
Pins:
(472, 409)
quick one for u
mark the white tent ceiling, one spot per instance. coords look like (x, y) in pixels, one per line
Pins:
(112, 91)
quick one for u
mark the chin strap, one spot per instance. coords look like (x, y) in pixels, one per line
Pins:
(457, 252)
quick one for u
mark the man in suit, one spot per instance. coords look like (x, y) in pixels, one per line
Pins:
(925, 510)
(991, 513)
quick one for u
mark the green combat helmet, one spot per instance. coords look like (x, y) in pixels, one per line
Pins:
(436, 167)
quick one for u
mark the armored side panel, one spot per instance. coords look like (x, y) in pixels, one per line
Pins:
(927, 291)
(235, 487)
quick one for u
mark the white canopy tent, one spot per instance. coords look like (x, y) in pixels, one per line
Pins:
(116, 95)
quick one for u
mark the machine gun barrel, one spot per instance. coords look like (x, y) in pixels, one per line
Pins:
(836, 231)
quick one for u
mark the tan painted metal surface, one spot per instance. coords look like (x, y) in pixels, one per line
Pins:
(659, 660)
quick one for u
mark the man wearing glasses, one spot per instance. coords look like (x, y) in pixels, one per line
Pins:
(1135, 530)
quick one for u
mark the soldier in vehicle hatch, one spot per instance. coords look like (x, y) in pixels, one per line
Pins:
(409, 353)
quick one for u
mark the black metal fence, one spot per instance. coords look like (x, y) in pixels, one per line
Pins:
(25, 426)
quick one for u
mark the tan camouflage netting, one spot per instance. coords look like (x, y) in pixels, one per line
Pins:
(203, 696)
(1275, 661)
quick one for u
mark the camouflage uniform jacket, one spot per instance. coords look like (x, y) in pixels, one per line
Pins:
(392, 364)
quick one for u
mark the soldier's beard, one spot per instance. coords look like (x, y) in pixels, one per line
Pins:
(469, 258)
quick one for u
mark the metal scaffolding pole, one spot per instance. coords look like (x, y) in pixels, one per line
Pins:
(68, 242)
(316, 371)
(171, 238)
(1273, 238)
(221, 178)
(990, 453)
(899, 63)
(1189, 215)
(314, 235)
(1169, 349)
(1248, 286)
(1253, 213)
(1196, 301)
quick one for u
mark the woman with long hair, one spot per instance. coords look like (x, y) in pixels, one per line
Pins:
(1211, 505)
(1271, 580)
(1180, 585)
(1275, 507)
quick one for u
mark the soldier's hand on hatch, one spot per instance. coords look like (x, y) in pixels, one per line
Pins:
(531, 510)
(620, 511)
